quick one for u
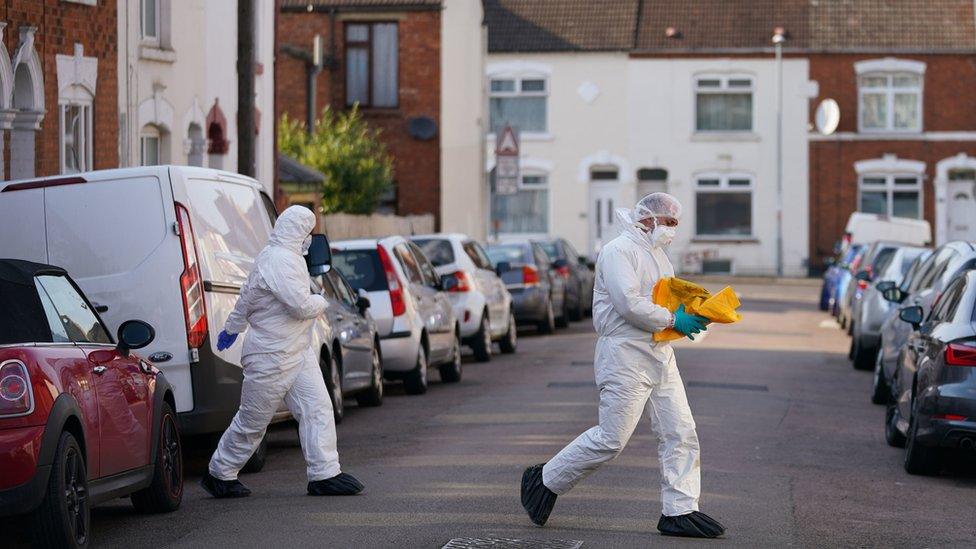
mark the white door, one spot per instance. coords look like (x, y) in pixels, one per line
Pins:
(604, 199)
(962, 210)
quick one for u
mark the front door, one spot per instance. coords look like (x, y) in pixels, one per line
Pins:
(604, 198)
(962, 210)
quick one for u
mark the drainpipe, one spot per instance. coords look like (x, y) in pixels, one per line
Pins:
(245, 87)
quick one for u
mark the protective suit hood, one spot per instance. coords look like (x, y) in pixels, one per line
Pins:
(625, 219)
(292, 227)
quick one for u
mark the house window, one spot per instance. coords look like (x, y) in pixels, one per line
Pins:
(371, 64)
(76, 137)
(723, 103)
(149, 20)
(519, 102)
(723, 205)
(890, 101)
(149, 146)
(526, 211)
(891, 194)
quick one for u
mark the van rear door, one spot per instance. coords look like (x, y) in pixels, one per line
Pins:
(114, 234)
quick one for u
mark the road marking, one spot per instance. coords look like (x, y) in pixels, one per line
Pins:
(564, 384)
(734, 386)
(829, 323)
(493, 543)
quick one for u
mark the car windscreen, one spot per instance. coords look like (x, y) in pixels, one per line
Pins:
(362, 269)
(438, 250)
(510, 253)
(552, 250)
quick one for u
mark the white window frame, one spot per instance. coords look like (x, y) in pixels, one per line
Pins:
(85, 160)
(523, 186)
(153, 39)
(724, 187)
(518, 79)
(889, 68)
(890, 188)
(151, 132)
(723, 88)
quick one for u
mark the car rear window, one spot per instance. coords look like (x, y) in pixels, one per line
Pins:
(552, 250)
(362, 269)
(439, 251)
(512, 253)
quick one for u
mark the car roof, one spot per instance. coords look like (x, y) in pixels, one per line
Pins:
(961, 246)
(22, 272)
(441, 236)
(138, 171)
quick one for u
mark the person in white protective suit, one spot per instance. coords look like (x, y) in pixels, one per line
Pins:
(277, 304)
(634, 374)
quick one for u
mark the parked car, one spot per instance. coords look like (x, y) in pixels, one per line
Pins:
(408, 301)
(83, 420)
(829, 289)
(876, 255)
(357, 367)
(933, 275)
(884, 259)
(578, 273)
(481, 302)
(537, 289)
(843, 280)
(934, 388)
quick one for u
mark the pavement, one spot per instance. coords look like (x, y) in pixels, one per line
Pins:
(793, 454)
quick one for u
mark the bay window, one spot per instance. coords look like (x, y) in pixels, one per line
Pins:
(723, 205)
(723, 103)
(519, 102)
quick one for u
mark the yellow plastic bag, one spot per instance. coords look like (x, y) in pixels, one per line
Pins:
(673, 292)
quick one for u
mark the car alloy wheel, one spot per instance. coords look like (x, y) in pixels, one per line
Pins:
(451, 372)
(377, 373)
(172, 456)
(76, 495)
(334, 384)
(509, 342)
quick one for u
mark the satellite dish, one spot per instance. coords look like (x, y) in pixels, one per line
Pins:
(422, 127)
(828, 116)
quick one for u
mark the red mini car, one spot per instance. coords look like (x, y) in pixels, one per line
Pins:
(82, 420)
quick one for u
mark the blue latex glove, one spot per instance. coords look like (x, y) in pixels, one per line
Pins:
(688, 324)
(225, 340)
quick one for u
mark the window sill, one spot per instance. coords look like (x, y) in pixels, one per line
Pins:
(379, 112)
(525, 136)
(156, 53)
(724, 240)
(891, 133)
(725, 136)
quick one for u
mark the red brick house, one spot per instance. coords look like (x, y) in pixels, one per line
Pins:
(58, 87)
(385, 56)
(902, 74)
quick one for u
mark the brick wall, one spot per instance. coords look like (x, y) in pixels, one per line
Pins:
(60, 25)
(416, 163)
(833, 181)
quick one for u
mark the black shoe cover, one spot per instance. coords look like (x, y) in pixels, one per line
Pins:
(340, 485)
(692, 525)
(536, 498)
(221, 489)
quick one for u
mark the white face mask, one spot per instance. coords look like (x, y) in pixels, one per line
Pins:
(661, 235)
(306, 244)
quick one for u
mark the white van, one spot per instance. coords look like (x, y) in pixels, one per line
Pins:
(865, 228)
(170, 245)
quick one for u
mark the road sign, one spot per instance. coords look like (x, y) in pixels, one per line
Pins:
(506, 162)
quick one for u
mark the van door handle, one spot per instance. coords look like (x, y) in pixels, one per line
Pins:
(99, 370)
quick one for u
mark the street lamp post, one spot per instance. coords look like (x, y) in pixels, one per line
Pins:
(779, 36)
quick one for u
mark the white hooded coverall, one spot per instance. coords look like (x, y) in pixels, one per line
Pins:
(279, 363)
(634, 374)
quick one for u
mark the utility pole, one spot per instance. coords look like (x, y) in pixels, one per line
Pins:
(245, 87)
(779, 36)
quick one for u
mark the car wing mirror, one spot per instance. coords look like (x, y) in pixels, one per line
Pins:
(884, 285)
(319, 256)
(502, 267)
(362, 303)
(893, 294)
(134, 334)
(912, 315)
(863, 275)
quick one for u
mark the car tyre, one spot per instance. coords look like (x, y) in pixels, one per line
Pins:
(576, 314)
(415, 382)
(373, 396)
(481, 341)
(562, 321)
(892, 435)
(64, 517)
(256, 462)
(451, 372)
(165, 493)
(548, 323)
(332, 372)
(919, 459)
(509, 342)
(880, 392)
(862, 358)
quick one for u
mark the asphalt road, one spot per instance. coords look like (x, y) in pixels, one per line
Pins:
(793, 454)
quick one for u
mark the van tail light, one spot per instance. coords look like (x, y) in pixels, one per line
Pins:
(530, 276)
(957, 354)
(397, 302)
(16, 396)
(463, 282)
(191, 283)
